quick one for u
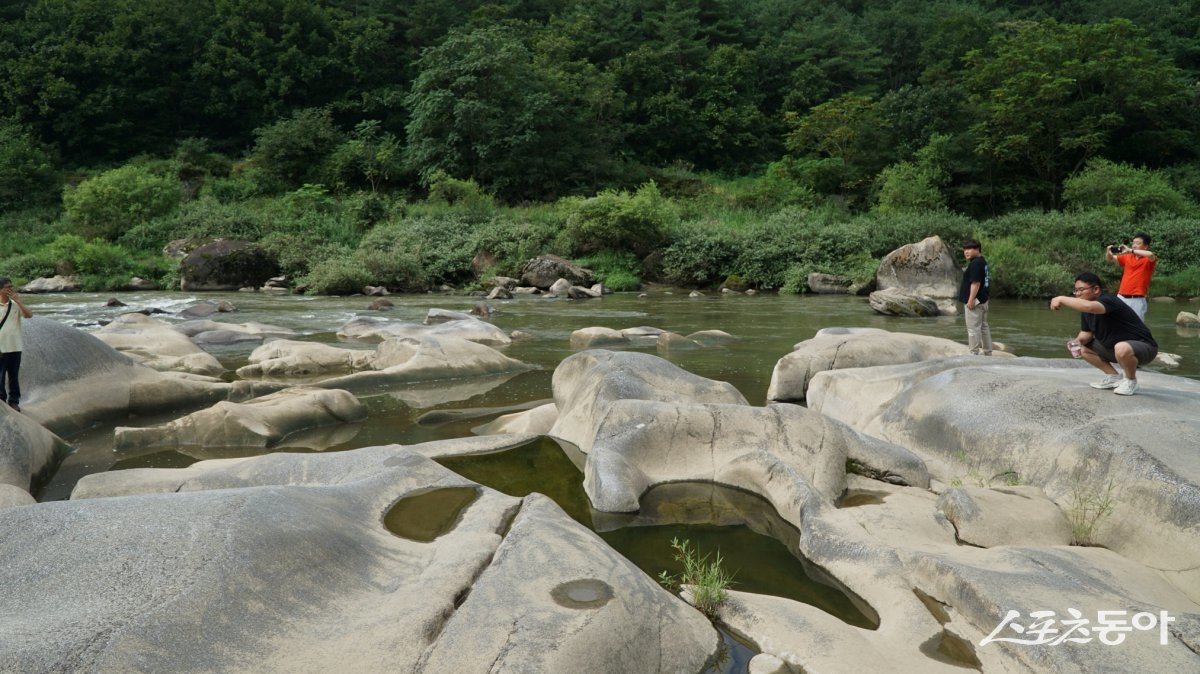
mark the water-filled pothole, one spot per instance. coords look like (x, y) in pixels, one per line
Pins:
(584, 593)
(164, 459)
(753, 540)
(952, 650)
(853, 498)
(424, 517)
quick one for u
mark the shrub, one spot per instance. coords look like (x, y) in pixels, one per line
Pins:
(467, 194)
(907, 188)
(700, 255)
(28, 230)
(419, 253)
(245, 184)
(205, 217)
(102, 207)
(1125, 190)
(1017, 272)
(512, 243)
(638, 223)
(98, 265)
(27, 266)
(1185, 283)
(619, 270)
(338, 275)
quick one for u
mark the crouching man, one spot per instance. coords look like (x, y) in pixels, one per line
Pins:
(1109, 332)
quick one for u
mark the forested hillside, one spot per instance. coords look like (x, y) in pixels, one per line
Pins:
(225, 116)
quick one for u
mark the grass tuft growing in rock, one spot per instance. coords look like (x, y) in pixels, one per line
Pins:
(1088, 510)
(707, 580)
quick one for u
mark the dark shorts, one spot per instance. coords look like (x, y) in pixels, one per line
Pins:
(1143, 350)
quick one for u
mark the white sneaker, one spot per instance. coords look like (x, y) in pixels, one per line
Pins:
(1127, 387)
(1110, 381)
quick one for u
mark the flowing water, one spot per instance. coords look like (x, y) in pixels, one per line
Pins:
(766, 327)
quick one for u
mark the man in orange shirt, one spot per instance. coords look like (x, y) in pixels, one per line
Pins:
(1138, 263)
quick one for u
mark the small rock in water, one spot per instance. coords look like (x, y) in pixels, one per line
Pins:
(380, 305)
(114, 302)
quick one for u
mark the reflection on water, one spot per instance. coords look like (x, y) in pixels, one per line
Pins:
(753, 541)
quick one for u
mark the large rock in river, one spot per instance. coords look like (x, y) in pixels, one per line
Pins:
(543, 271)
(226, 264)
(395, 360)
(1040, 419)
(71, 380)
(587, 383)
(260, 422)
(26, 448)
(840, 348)
(368, 329)
(158, 345)
(901, 302)
(641, 443)
(925, 268)
(369, 560)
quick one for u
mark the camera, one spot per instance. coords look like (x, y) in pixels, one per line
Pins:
(1115, 249)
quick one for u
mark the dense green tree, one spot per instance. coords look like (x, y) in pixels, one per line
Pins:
(1050, 96)
(292, 151)
(370, 154)
(27, 171)
(266, 58)
(844, 135)
(483, 110)
(103, 79)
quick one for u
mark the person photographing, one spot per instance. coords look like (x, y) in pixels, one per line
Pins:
(12, 311)
(1109, 332)
(1137, 264)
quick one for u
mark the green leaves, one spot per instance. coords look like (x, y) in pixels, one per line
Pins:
(1050, 96)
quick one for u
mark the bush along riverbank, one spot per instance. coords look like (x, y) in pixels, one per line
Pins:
(691, 231)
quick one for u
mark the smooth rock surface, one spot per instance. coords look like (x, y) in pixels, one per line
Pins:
(1040, 419)
(26, 448)
(157, 345)
(586, 383)
(284, 561)
(261, 422)
(642, 443)
(840, 348)
(926, 268)
(367, 329)
(71, 380)
(1004, 516)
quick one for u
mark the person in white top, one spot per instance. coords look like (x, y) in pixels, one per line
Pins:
(12, 310)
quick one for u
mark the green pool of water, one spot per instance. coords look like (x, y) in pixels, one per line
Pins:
(761, 563)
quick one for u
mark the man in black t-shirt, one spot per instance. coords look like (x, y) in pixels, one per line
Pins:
(1109, 332)
(974, 293)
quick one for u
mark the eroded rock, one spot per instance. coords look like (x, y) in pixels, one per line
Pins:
(260, 422)
(839, 348)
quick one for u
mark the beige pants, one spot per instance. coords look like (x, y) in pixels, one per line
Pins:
(979, 335)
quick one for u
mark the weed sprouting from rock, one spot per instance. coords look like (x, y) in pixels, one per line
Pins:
(708, 581)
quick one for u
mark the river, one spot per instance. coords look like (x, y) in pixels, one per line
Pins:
(766, 326)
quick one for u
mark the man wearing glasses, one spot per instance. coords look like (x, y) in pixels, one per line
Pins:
(1109, 332)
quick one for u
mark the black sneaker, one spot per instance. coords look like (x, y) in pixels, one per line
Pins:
(15, 406)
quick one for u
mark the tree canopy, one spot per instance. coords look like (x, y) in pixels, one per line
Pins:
(537, 99)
